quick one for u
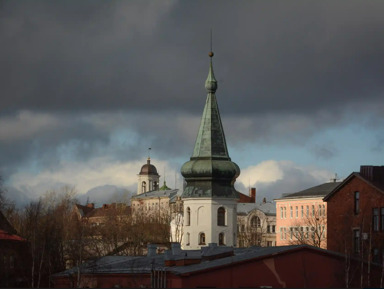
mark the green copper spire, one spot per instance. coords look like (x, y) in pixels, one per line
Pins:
(210, 141)
(211, 83)
(210, 171)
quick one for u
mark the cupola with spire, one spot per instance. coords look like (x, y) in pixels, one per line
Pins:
(209, 197)
(210, 171)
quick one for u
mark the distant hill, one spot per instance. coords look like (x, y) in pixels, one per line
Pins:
(107, 194)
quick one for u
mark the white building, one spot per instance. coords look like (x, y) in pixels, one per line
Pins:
(210, 199)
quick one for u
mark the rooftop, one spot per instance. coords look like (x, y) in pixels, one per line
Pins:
(316, 191)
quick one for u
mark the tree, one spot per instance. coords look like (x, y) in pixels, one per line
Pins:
(311, 229)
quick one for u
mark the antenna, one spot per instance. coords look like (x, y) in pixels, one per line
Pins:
(149, 153)
(335, 178)
(211, 39)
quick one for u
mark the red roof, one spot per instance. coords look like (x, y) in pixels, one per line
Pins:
(4, 235)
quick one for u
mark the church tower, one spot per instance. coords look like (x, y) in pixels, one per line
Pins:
(210, 199)
(148, 178)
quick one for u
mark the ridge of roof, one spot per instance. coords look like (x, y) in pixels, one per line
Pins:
(316, 191)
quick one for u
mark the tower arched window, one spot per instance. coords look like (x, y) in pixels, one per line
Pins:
(221, 239)
(255, 222)
(221, 216)
(188, 217)
(143, 187)
(201, 239)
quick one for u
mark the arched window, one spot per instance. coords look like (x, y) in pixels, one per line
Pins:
(255, 222)
(221, 216)
(188, 217)
(221, 239)
(202, 239)
(143, 187)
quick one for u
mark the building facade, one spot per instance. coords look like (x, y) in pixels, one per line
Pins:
(256, 224)
(301, 217)
(210, 199)
(356, 215)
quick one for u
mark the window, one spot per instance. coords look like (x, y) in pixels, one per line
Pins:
(285, 233)
(356, 240)
(273, 228)
(306, 232)
(382, 218)
(188, 218)
(302, 211)
(313, 210)
(221, 239)
(291, 212)
(202, 239)
(285, 212)
(291, 231)
(307, 211)
(357, 200)
(281, 212)
(268, 229)
(281, 234)
(320, 211)
(269, 244)
(375, 219)
(324, 214)
(297, 211)
(188, 239)
(143, 187)
(221, 216)
(255, 222)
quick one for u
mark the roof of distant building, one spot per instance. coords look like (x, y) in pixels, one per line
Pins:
(90, 211)
(267, 208)
(316, 191)
(4, 235)
(157, 194)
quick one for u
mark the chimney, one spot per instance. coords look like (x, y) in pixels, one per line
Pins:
(152, 248)
(264, 200)
(373, 173)
(176, 248)
(253, 195)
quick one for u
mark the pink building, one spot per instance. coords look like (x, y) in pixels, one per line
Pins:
(301, 217)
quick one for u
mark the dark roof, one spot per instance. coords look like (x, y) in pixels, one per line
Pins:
(105, 210)
(4, 235)
(148, 169)
(157, 194)
(379, 185)
(316, 191)
(144, 264)
(268, 208)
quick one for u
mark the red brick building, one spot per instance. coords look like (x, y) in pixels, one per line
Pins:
(298, 266)
(15, 258)
(356, 214)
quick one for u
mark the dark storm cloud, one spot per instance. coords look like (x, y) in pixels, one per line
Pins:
(95, 78)
(96, 55)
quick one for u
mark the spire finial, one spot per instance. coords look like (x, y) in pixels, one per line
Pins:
(211, 83)
(149, 155)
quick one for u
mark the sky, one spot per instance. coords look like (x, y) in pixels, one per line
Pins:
(88, 86)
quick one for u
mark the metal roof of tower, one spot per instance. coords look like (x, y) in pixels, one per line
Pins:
(210, 171)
